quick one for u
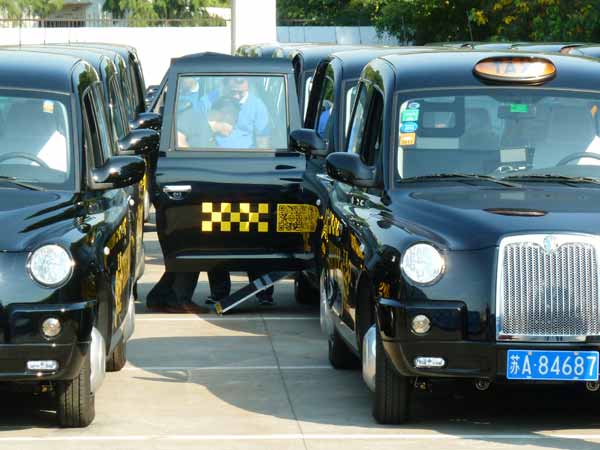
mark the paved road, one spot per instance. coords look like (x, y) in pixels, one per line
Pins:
(259, 379)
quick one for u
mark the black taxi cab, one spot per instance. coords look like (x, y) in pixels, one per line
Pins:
(66, 255)
(461, 239)
(228, 186)
(123, 135)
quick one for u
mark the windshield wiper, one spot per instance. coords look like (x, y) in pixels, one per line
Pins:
(552, 177)
(14, 181)
(463, 176)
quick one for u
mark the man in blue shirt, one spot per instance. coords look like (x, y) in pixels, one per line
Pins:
(251, 129)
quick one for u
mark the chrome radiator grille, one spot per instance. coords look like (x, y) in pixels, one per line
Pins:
(548, 287)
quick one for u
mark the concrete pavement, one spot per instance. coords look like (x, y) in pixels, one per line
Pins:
(260, 379)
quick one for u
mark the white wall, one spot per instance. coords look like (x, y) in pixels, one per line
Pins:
(156, 46)
(253, 22)
(334, 35)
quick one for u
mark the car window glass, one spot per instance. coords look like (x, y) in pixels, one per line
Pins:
(231, 112)
(159, 106)
(325, 108)
(350, 97)
(127, 89)
(35, 139)
(358, 122)
(307, 87)
(116, 110)
(499, 132)
(103, 130)
(89, 113)
(371, 145)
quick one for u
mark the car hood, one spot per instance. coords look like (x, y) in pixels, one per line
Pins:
(27, 217)
(465, 217)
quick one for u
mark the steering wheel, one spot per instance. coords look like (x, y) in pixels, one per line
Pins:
(23, 155)
(578, 155)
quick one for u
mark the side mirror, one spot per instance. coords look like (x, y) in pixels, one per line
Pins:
(146, 120)
(306, 140)
(140, 142)
(117, 172)
(348, 168)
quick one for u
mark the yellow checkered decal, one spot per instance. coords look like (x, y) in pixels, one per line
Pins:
(235, 217)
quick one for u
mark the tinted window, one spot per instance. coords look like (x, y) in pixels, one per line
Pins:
(103, 130)
(116, 109)
(359, 120)
(35, 140)
(325, 108)
(231, 112)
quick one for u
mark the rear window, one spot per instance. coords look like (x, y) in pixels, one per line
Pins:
(231, 112)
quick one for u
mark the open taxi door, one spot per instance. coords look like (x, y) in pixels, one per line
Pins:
(228, 187)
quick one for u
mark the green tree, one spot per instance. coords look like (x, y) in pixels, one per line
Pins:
(18, 9)
(540, 20)
(182, 12)
(325, 12)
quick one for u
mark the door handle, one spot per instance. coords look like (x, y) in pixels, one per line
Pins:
(177, 191)
(181, 188)
(325, 178)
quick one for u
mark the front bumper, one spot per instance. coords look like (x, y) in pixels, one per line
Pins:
(23, 341)
(448, 339)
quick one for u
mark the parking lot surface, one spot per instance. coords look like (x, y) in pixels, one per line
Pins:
(260, 379)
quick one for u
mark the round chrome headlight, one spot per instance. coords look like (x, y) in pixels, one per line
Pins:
(422, 263)
(50, 265)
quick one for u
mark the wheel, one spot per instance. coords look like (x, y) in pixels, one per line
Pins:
(117, 360)
(340, 355)
(392, 390)
(75, 400)
(304, 292)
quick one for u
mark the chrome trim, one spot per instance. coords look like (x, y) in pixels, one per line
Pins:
(129, 321)
(97, 360)
(369, 355)
(541, 241)
(177, 188)
(325, 318)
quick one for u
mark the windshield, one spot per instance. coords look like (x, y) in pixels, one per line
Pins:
(499, 132)
(35, 140)
(231, 112)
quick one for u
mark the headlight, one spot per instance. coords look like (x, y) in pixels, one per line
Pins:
(50, 265)
(422, 263)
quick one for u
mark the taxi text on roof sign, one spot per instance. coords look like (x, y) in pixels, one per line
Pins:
(516, 69)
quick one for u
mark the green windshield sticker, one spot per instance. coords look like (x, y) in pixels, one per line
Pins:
(410, 115)
(519, 108)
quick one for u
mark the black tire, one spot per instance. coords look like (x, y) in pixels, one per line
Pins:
(340, 355)
(304, 292)
(117, 360)
(75, 401)
(392, 390)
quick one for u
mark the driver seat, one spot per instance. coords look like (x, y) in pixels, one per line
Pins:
(571, 129)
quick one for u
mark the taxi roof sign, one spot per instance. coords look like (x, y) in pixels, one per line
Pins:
(515, 69)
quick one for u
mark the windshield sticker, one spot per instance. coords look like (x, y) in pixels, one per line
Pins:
(519, 108)
(410, 115)
(414, 105)
(48, 106)
(409, 127)
(407, 139)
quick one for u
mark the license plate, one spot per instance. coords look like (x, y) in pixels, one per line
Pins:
(551, 365)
